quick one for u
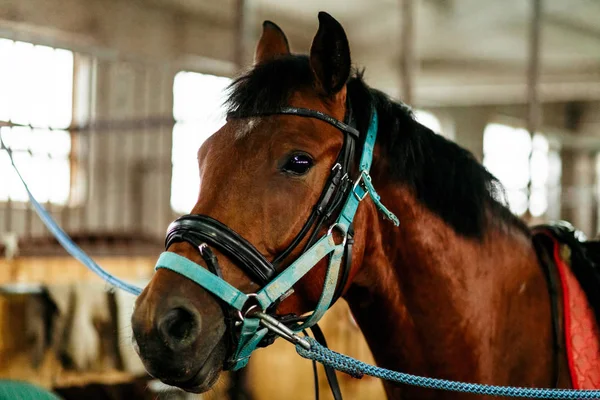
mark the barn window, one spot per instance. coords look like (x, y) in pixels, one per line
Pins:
(198, 112)
(429, 120)
(518, 162)
(433, 122)
(36, 90)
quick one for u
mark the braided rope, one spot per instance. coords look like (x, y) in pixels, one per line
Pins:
(357, 369)
(64, 239)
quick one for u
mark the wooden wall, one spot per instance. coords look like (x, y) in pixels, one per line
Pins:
(15, 362)
(274, 372)
(61, 270)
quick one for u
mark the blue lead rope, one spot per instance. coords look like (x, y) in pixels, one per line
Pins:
(358, 368)
(65, 240)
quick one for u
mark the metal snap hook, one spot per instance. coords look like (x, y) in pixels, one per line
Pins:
(283, 331)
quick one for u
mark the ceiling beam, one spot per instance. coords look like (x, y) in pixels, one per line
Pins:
(503, 93)
(409, 63)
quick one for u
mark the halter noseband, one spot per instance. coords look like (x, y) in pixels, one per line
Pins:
(340, 196)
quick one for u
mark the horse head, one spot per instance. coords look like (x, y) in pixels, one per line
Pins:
(261, 176)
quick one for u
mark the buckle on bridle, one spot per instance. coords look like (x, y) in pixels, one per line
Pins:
(364, 175)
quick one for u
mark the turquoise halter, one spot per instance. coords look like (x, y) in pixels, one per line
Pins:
(255, 325)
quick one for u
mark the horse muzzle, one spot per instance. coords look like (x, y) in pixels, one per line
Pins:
(176, 343)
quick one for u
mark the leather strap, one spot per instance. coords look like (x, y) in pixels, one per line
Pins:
(552, 280)
(304, 112)
(335, 188)
(229, 314)
(329, 288)
(343, 280)
(249, 339)
(211, 260)
(329, 371)
(291, 275)
(199, 229)
(209, 281)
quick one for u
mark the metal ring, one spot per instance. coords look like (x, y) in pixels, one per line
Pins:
(252, 307)
(341, 229)
(239, 312)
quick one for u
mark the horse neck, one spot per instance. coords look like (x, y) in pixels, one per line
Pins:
(430, 301)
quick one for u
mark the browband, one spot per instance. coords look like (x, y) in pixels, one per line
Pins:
(304, 112)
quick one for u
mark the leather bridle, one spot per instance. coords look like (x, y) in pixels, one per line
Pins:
(201, 230)
(339, 199)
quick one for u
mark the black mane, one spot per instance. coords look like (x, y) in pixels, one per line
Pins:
(445, 177)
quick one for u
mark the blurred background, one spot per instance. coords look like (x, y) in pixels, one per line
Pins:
(104, 104)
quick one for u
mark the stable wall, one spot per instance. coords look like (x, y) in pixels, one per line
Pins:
(134, 48)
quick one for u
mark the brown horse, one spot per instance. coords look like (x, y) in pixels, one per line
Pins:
(455, 292)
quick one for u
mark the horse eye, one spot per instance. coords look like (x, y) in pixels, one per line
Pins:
(298, 164)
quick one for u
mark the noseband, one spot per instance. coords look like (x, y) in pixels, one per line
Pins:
(251, 317)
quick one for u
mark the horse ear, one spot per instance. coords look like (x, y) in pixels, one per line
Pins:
(330, 55)
(272, 43)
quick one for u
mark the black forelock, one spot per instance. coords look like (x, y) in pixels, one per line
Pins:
(445, 177)
(268, 86)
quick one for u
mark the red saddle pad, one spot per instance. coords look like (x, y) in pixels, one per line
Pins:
(582, 336)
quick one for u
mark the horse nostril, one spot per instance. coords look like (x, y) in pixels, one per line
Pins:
(179, 327)
(178, 323)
